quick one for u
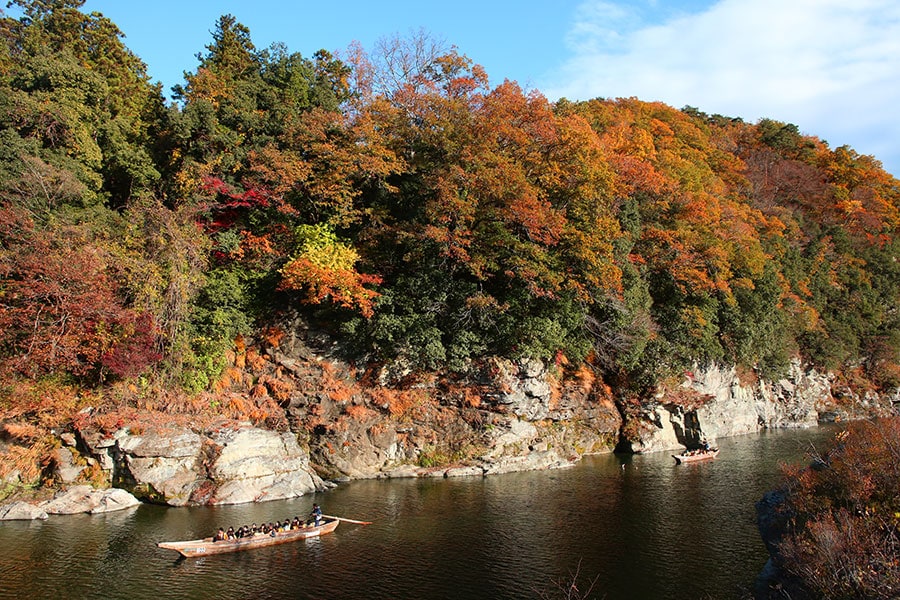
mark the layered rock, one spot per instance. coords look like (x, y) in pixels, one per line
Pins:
(229, 465)
(252, 465)
(729, 406)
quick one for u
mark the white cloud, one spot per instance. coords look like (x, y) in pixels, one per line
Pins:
(832, 67)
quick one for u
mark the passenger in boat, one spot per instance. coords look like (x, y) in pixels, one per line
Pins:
(296, 524)
(315, 517)
(220, 535)
(230, 533)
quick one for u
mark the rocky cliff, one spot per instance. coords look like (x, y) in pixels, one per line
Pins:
(724, 405)
(331, 422)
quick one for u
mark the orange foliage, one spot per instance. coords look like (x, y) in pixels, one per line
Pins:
(341, 392)
(254, 359)
(399, 403)
(471, 398)
(359, 412)
(28, 460)
(279, 388)
(230, 376)
(340, 286)
(273, 336)
(22, 432)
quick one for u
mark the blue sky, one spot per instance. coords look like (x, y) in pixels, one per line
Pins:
(832, 67)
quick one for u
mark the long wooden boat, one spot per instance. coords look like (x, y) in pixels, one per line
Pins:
(696, 456)
(207, 546)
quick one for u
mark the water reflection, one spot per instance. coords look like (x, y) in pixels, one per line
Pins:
(642, 526)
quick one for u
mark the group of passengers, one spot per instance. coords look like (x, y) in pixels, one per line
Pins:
(271, 528)
(703, 449)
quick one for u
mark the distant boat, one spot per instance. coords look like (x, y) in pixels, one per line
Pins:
(695, 455)
(207, 546)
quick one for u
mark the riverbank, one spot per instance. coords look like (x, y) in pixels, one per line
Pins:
(329, 423)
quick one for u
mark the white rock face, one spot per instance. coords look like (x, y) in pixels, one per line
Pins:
(256, 464)
(164, 462)
(510, 437)
(737, 408)
(231, 465)
(66, 469)
(662, 434)
(527, 392)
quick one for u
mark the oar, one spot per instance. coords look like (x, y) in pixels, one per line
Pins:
(348, 520)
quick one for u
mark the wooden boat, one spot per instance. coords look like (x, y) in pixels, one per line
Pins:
(207, 546)
(695, 456)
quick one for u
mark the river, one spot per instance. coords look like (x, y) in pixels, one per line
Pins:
(638, 527)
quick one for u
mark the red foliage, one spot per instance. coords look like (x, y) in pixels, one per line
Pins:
(135, 350)
(230, 205)
(61, 311)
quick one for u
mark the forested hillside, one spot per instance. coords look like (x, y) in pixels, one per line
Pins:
(416, 212)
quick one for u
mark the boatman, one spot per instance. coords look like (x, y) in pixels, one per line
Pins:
(316, 515)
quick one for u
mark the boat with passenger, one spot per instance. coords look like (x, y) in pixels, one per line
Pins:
(696, 455)
(208, 546)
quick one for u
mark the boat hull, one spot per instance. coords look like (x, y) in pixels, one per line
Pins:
(687, 458)
(207, 547)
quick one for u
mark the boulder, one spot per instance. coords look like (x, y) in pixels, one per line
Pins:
(473, 471)
(114, 499)
(86, 499)
(229, 465)
(161, 466)
(21, 511)
(533, 461)
(76, 499)
(401, 472)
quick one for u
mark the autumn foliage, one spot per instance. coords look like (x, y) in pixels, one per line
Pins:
(416, 214)
(843, 538)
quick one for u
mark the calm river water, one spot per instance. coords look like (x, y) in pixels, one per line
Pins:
(640, 527)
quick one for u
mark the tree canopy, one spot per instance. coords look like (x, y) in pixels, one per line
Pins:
(415, 212)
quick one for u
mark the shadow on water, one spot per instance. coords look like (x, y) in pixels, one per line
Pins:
(638, 526)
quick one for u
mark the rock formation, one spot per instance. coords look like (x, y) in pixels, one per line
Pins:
(230, 464)
(501, 416)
